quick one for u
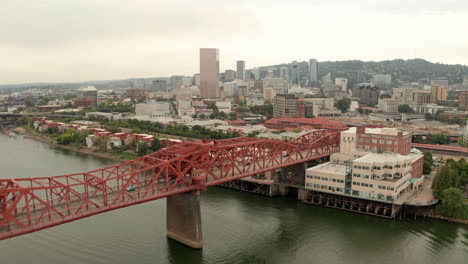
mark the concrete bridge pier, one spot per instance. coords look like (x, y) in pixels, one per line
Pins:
(183, 219)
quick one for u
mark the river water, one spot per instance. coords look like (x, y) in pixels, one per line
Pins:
(238, 227)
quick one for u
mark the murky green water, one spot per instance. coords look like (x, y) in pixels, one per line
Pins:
(238, 227)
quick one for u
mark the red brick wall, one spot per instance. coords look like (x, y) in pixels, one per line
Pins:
(418, 167)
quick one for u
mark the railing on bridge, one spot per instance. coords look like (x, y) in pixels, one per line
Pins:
(31, 204)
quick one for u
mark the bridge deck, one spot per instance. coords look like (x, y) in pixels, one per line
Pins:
(32, 204)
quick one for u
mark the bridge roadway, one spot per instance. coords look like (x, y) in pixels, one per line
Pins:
(32, 204)
(442, 148)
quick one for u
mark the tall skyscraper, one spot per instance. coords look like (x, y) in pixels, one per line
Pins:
(229, 75)
(383, 81)
(313, 72)
(240, 70)
(209, 73)
(176, 81)
(158, 86)
(295, 73)
(284, 73)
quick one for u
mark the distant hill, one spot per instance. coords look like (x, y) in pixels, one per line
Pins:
(402, 71)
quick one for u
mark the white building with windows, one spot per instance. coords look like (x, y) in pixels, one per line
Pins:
(382, 176)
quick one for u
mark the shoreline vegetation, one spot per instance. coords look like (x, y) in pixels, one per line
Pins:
(82, 150)
(113, 156)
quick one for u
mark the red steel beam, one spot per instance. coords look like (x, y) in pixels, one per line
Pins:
(31, 204)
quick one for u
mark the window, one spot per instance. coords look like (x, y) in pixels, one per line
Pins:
(389, 142)
(374, 140)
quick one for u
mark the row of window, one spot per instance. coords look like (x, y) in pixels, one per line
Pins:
(382, 187)
(324, 187)
(377, 141)
(372, 195)
(357, 175)
(387, 149)
(324, 178)
(379, 167)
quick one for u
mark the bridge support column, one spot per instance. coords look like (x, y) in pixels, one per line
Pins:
(183, 219)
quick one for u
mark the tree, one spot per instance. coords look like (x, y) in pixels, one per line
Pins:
(428, 116)
(427, 168)
(30, 102)
(155, 144)
(428, 157)
(452, 204)
(243, 108)
(438, 138)
(343, 104)
(404, 108)
(142, 148)
(418, 139)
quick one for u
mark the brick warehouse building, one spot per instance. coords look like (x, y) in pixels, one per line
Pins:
(383, 140)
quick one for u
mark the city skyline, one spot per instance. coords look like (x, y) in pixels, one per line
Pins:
(63, 46)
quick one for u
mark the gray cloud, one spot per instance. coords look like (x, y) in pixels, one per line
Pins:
(59, 40)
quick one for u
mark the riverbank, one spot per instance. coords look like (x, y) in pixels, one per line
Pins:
(7, 132)
(82, 150)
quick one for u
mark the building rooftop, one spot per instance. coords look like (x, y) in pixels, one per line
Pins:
(390, 131)
(320, 121)
(383, 157)
(329, 168)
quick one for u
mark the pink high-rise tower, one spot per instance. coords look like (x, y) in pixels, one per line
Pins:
(209, 73)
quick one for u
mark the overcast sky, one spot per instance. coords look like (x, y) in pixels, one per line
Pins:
(65, 40)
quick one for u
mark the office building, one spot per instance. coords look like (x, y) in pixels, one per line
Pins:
(158, 86)
(343, 83)
(278, 84)
(465, 81)
(153, 109)
(327, 78)
(382, 81)
(187, 81)
(240, 75)
(176, 81)
(388, 105)
(313, 72)
(286, 105)
(373, 163)
(439, 93)
(269, 94)
(196, 79)
(284, 73)
(229, 75)
(355, 78)
(295, 73)
(258, 85)
(209, 73)
(424, 97)
(443, 82)
(406, 95)
(368, 94)
(89, 92)
(463, 100)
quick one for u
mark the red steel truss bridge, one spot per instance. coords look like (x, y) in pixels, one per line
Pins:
(32, 204)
